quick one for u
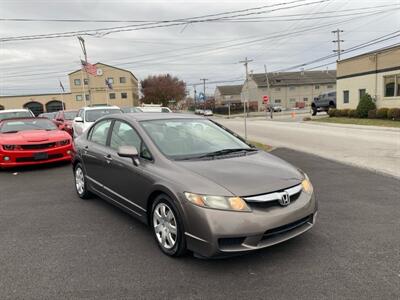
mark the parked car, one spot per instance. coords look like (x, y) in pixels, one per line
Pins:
(208, 112)
(275, 107)
(15, 113)
(199, 111)
(64, 119)
(49, 115)
(133, 109)
(30, 141)
(323, 102)
(154, 109)
(88, 115)
(198, 185)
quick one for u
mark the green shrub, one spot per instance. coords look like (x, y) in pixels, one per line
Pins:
(372, 114)
(365, 105)
(345, 112)
(382, 113)
(393, 113)
(353, 113)
(332, 112)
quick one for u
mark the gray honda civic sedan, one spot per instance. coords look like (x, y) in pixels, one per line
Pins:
(199, 186)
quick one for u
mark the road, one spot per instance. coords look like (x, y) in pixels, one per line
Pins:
(373, 148)
(57, 246)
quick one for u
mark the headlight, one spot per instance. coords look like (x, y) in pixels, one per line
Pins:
(218, 202)
(9, 147)
(63, 143)
(307, 186)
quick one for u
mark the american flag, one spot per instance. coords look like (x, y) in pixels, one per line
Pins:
(89, 68)
(108, 84)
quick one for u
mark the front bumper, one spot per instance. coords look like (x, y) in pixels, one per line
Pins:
(27, 158)
(211, 232)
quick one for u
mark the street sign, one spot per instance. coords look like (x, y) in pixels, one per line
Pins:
(265, 99)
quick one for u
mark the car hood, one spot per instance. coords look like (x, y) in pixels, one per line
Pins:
(249, 175)
(33, 136)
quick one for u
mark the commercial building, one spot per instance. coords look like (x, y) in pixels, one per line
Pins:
(288, 89)
(85, 90)
(228, 94)
(376, 73)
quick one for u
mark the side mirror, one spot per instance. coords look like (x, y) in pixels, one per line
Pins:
(78, 119)
(131, 152)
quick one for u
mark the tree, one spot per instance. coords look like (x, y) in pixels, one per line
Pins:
(160, 89)
(365, 105)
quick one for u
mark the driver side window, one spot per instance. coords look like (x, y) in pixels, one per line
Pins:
(99, 132)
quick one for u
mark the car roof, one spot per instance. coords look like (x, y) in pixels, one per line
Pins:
(158, 116)
(13, 110)
(99, 107)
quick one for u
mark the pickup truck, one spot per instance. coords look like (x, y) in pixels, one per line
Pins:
(323, 102)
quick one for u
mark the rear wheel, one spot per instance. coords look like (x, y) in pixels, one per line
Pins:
(80, 182)
(167, 227)
(314, 110)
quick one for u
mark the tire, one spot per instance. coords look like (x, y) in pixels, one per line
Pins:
(80, 182)
(314, 111)
(167, 227)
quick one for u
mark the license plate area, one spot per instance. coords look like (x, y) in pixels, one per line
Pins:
(40, 156)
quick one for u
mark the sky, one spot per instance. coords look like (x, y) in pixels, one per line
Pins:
(278, 37)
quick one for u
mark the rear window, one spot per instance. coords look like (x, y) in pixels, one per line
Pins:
(93, 115)
(26, 124)
(15, 114)
(70, 115)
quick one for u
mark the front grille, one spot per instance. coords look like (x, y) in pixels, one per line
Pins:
(31, 159)
(268, 204)
(285, 228)
(38, 146)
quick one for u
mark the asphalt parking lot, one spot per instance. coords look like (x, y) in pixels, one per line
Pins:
(54, 245)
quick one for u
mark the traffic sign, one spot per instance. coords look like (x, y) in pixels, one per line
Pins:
(265, 99)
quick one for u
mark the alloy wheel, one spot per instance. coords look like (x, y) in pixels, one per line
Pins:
(165, 226)
(79, 181)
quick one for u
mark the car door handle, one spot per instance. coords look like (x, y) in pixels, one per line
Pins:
(108, 158)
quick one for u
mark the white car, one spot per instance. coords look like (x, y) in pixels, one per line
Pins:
(15, 113)
(208, 112)
(88, 115)
(154, 109)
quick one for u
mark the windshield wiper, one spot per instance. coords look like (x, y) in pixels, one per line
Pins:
(226, 151)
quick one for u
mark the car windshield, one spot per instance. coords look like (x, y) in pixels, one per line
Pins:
(14, 114)
(191, 138)
(70, 115)
(93, 115)
(10, 126)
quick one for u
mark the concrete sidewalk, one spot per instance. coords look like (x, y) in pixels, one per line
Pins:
(376, 148)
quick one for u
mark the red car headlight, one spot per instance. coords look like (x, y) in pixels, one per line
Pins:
(9, 147)
(63, 143)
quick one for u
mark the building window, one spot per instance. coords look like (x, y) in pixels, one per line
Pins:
(78, 97)
(392, 85)
(124, 95)
(292, 100)
(362, 92)
(77, 81)
(346, 96)
(329, 86)
(85, 81)
(122, 80)
(292, 88)
(277, 100)
(317, 87)
(112, 95)
(305, 99)
(277, 89)
(87, 97)
(110, 80)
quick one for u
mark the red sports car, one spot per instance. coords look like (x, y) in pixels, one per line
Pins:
(64, 119)
(30, 141)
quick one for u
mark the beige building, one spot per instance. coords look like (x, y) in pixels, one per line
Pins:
(85, 90)
(289, 89)
(376, 73)
(227, 94)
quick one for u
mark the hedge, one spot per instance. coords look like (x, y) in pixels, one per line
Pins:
(372, 114)
(382, 113)
(393, 114)
(352, 113)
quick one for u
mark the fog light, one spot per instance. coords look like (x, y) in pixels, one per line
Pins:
(6, 158)
(69, 152)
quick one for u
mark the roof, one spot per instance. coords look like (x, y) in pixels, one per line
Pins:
(106, 66)
(380, 50)
(100, 107)
(159, 116)
(295, 78)
(230, 89)
(30, 95)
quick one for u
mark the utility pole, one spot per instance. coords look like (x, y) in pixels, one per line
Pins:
(245, 62)
(195, 96)
(204, 89)
(268, 94)
(83, 47)
(338, 41)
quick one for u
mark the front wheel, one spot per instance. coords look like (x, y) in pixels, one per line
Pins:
(80, 182)
(167, 227)
(314, 111)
